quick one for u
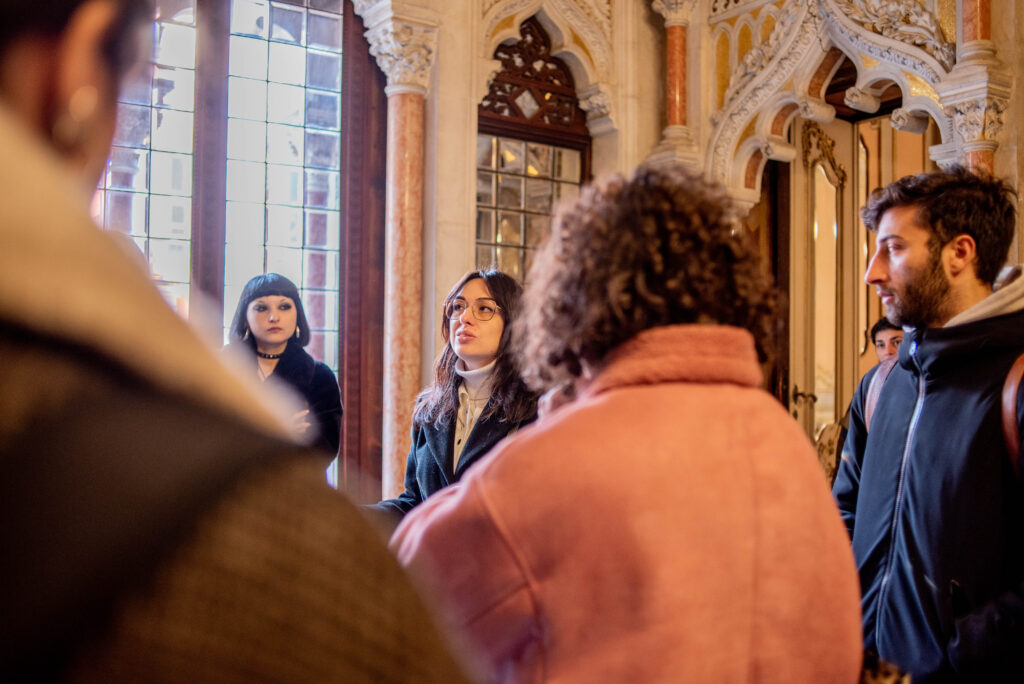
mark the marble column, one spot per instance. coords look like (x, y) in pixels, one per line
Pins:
(677, 140)
(404, 45)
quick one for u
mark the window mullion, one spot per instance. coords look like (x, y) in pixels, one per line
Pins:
(210, 155)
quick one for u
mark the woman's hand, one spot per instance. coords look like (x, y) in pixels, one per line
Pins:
(300, 423)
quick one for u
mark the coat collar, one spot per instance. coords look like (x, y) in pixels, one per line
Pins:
(63, 277)
(681, 353)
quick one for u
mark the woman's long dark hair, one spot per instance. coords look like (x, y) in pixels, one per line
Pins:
(266, 285)
(511, 401)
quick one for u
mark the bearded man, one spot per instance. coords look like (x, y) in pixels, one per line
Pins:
(930, 498)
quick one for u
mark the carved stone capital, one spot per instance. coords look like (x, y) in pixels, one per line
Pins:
(676, 12)
(978, 120)
(861, 100)
(403, 43)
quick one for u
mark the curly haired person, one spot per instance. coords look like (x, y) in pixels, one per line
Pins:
(670, 524)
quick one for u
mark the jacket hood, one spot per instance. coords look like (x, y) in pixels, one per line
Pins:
(936, 349)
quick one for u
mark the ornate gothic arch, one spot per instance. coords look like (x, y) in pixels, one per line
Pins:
(787, 75)
(580, 32)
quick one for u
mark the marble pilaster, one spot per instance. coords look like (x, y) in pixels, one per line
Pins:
(403, 40)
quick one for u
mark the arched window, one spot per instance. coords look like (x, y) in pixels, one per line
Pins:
(533, 150)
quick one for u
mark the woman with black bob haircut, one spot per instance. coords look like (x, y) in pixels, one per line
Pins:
(477, 397)
(271, 324)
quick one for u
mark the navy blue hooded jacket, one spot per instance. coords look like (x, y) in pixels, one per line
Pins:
(934, 510)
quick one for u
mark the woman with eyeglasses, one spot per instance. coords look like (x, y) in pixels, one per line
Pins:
(477, 397)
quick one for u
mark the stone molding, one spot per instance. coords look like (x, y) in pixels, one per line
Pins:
(905, 21)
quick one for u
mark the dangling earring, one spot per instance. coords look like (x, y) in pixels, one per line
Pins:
(246, 335)
(71, 125)
(297, 331)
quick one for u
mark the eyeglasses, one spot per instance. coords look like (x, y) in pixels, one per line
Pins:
(483, 309)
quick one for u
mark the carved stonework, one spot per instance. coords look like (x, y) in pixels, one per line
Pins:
(675, 12)
(795, 47)
(861, 101)
(595, 102)
(755, 62)
(819, 148)
(905, 120)
(405, 53)
(596, 13)
(978, 120)
(723, 6)
(533, 87)
(906, 21)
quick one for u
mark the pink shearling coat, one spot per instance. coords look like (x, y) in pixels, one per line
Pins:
(670, 525)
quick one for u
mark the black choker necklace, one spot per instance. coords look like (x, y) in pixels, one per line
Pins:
(268, 356)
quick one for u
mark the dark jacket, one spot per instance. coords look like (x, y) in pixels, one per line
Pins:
(429, 466)
(318, 386)
(934, 510)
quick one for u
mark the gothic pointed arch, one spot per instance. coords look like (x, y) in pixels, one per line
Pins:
(580, 33)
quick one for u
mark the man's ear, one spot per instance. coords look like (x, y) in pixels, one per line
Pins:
(82, 73)
(962, 256)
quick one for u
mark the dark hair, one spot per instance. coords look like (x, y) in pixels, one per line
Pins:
(511, 401)
(950, 203)
(657, 249)
(20, 18)
(267, 285)
(883, 323)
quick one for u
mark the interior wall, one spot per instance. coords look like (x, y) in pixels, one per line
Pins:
(461, 71)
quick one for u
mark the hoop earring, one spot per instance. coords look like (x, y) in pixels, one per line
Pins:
(245, 337)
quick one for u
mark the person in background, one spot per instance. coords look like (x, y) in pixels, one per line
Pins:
(670, 524)
(158, 523)
(477, 398)
(886, 339)
(928, 489)
(270, 324)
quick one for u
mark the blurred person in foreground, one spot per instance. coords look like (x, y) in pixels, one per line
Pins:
(927, 488)
(157, 523)
(671, 523)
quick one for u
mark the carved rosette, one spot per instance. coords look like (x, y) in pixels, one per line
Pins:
(405, 53)
(676, 12)
(978, 120)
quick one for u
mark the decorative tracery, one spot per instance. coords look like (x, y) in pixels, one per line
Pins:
(533, 87)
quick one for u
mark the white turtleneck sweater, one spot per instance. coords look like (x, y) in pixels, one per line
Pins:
(474, 392)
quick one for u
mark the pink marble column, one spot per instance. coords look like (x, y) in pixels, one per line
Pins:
(675, 69)
(402, 282)
(677, 140)
(976, 20)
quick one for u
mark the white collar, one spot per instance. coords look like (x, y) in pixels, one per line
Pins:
(475, 381)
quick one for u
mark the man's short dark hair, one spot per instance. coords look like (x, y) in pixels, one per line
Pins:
(883, 323)
(954, 202)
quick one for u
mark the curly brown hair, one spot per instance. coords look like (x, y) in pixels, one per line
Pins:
(660, 248)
